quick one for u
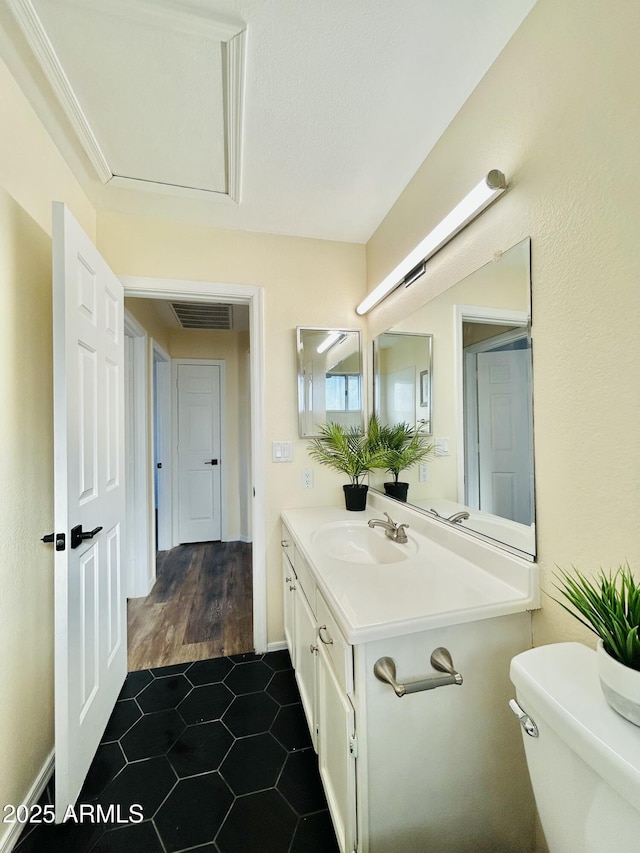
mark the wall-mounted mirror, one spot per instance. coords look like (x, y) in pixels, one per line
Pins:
(481, 420)
(329, 379)
(403, 370)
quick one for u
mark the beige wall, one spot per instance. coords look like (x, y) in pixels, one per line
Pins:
(306, 283)
(26, 501)
(32, 175)
(559, 114)
(144, 311)
(31, 168)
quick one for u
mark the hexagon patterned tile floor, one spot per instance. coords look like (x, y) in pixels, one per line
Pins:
(216, 753)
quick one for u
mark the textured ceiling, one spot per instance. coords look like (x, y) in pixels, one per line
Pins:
(333, 104)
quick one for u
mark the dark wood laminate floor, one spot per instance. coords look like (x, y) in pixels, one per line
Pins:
(200, 607)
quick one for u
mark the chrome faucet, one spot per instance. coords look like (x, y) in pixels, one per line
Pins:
(456, 518)
(393, 531)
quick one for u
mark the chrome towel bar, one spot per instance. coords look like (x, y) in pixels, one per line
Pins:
(384, 670)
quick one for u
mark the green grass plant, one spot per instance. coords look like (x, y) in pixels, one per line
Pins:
(609, 605)
(404, 446)
(347, 449)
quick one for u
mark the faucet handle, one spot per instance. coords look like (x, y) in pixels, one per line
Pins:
(390, 520)
(401, 535)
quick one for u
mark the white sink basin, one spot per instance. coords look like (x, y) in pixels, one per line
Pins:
(356, 542)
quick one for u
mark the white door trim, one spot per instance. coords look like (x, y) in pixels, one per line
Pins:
(473, 314)
(162, 414)
(137, 500)
(213, 362)
(201, 291)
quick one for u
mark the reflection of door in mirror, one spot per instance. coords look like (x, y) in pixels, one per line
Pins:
(488, 474)
(498, 421)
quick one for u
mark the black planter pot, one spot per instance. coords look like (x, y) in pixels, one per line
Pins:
(397, 490)
(355, 497)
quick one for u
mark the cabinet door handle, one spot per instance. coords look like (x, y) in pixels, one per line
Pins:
(328, 641)
(313, 649)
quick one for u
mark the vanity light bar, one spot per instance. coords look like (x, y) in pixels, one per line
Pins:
(462, 214)
(331, 339)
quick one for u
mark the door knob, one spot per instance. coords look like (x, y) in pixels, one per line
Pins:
(78, 535)
(210, 461)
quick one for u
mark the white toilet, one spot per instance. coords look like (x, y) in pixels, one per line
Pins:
(584, 762)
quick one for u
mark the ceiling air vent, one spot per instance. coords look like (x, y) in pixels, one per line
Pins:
(207, 315)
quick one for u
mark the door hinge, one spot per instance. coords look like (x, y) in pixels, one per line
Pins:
(353, 745)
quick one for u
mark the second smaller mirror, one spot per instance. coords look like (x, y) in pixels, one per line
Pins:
(403, 370)
(329, 379)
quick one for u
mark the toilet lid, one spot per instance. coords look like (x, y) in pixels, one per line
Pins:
(560, 684)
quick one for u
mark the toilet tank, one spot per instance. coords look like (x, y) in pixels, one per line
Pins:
(585, 763)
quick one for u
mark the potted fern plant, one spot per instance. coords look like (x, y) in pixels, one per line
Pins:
(404, 447)
(351, 452)
(609, 606)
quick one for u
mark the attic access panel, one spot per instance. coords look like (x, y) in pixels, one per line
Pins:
(153, 91)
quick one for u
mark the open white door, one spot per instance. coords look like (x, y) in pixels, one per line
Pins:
(90, 602)
(505, 433)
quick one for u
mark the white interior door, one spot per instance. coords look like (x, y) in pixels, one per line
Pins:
(89, 475)
(199, 443)
(505, 434)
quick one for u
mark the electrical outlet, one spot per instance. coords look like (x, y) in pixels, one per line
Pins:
(423, 472)
(307, 478)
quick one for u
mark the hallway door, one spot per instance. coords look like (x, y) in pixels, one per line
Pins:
(90, 642)
(199, 446)
(505, 439)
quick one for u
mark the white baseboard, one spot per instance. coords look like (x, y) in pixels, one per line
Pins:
(9, 841)
(277, 647)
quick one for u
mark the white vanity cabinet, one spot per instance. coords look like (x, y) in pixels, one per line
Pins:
(289, 589)
(301, 629)
(337, 751)
(323, 663)
(439, 770)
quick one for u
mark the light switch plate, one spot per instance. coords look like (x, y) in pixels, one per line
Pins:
(442, 446)
(282, 451)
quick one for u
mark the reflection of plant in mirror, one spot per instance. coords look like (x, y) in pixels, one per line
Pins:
(403, 446)
(608, 605)
(348, 450)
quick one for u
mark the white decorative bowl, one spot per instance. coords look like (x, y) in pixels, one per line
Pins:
(620, 685)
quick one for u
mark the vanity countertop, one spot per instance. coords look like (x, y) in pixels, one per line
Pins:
(438, 585)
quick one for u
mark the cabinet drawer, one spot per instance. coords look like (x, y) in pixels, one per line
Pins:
(338, 650)
(305, 580)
